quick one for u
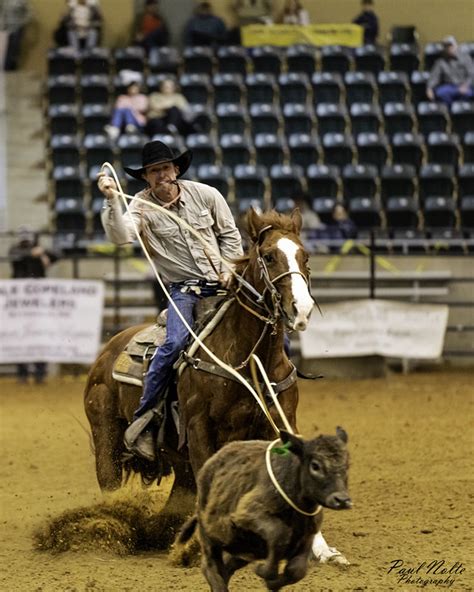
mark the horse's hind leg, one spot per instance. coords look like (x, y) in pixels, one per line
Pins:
(107, 433)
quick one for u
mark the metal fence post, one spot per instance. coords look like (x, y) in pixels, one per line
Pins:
(372, 264)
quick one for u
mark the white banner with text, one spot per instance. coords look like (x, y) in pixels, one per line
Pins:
(50, 320)
(376, 327)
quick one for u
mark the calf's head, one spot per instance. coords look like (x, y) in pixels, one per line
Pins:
(324, 463)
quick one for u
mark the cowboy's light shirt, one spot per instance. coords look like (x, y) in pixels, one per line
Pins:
(179, 254)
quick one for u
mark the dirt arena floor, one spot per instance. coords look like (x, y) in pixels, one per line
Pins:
(411, 478)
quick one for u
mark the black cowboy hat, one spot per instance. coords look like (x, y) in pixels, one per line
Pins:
(157, 153)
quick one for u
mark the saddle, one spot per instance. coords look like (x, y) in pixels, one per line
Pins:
(132, 363)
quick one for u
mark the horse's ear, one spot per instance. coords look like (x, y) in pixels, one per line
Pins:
(297, 220)
(254, 224)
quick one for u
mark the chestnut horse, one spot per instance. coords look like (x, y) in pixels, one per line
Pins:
(216, 409)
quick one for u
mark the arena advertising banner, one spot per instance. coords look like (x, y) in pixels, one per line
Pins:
(345, 34)
(376, 327)
(50, 320)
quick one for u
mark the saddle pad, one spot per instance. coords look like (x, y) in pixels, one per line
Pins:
(128, 370)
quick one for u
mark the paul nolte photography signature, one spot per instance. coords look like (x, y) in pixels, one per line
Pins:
(426, 573)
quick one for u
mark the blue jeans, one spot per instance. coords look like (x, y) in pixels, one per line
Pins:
(123, 117)
(447, 93)
(160, 369)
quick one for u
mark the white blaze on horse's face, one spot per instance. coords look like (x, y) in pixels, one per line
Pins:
(302, 301)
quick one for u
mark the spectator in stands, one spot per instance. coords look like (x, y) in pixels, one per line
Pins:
(341, 227)
(178, 254)
(293, 14)
(29, 260)
(452, 76)
(83, 23)
(150, 27)
(169, 111)
(205, 28)
(311, 220)
(129, 113)
(369, 21)
(14, 16)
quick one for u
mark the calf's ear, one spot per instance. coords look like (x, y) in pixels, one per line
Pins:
(296, 444)
(342, 434)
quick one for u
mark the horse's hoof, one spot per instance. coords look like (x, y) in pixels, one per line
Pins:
(331, 555)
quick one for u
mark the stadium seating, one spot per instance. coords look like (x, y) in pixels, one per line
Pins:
(236, 149)
(304, 149)
(267, 111)
(402, 212)
(266, 59)
(203, 148)
(265, 118)
(327, 87)
(261, 88)
(323, 181)
(98, 149)
(365, 118)
(62, 61)
(335, 58)
(250, 181)
(164, 60)
(432, 117)
(444, 148)
(408, 149)
(228, 88)
(231, 119)
(373, 149)
(369, 58)
(198, 60)
(339, 149)
(301, 58)
(63, 119)
(360, 181)
(398, 180)
(285, 181)
(96, 60)
(270, 149)
(65, 151)
(298, 119)
(232, 60)
(216, 176)
(294, 87)
(360, 87)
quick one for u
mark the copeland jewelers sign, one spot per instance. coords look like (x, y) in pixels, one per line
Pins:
(49, 320)
(376, 327)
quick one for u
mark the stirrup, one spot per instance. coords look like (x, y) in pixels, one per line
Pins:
(300, 374)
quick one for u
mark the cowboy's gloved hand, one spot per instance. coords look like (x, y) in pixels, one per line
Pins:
(106, 185)
(225, 279)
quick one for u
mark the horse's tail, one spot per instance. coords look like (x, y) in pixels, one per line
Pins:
(187, 530)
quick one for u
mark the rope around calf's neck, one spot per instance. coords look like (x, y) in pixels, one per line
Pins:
(124, 197)
(271, 474)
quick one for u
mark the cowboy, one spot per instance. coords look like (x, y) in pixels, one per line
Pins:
(191, 271)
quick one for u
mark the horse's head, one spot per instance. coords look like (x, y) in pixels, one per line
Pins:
(278, 266)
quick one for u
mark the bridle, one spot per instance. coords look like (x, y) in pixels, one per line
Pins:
(274, 311)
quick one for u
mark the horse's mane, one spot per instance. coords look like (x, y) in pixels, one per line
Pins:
(271, 218)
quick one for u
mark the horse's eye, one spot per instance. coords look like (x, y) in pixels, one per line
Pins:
(315, 466)
(268, 258)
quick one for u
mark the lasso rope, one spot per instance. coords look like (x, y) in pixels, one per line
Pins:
(278, 487)
(260, 400)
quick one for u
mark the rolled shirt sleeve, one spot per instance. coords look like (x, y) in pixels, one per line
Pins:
(226, 231)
